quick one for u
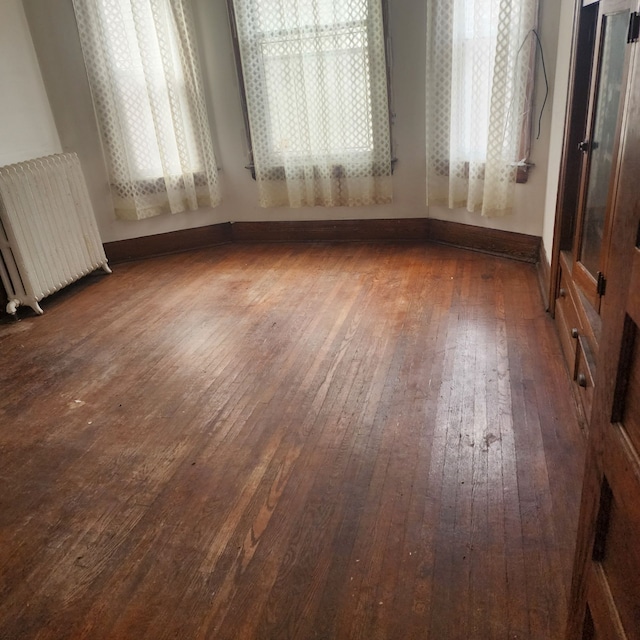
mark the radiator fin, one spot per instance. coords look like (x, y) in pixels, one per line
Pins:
(48, 232)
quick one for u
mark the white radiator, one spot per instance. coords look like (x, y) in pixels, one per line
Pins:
(48, 232)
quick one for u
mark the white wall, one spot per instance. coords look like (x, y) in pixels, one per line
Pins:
(27, 129)
(55, 35)
(563, 60)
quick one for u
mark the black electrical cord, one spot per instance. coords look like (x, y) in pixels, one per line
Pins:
(546, 82)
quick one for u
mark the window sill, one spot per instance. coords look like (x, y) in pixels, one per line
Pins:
(522, 173)
(252, 168)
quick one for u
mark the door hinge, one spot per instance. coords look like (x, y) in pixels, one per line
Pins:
(634, 27)
(601, 285)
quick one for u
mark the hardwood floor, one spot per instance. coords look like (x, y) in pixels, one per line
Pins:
(289, 441)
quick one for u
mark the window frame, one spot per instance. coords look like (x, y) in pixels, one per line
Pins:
(243, 95)
(524, 166)
(149, 178)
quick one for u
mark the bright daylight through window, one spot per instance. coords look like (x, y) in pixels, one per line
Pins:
(480, 62)
(145, 80)
(315, 80)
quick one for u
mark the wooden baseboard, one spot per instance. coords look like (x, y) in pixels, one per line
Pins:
(165, 243)
(503, 243)
(518, 246)
(396, 230)
(544, 275)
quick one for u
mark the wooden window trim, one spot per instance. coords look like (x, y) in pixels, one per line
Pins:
(243, 94)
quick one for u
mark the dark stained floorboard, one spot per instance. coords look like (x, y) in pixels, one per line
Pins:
(289, 441)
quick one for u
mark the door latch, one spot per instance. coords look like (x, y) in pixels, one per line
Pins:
(584, 146)
(601, 284)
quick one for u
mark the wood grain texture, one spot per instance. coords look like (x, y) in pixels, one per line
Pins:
(547, 290)
(518, 246)
(569, 182)
(604, 594)
(332, 230)
(165, 243)
(289, 441)
(505, 243)
(513, 245)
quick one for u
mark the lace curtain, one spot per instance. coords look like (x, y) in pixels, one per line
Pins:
(144, 75)
(479, 59)
(316, 87)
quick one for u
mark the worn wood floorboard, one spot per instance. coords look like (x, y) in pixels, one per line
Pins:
(359, 441)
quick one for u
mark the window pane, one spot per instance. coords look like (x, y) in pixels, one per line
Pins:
(604, 133)
(288, 15)
(315, 79)
(474, 59)
(143, 92)
(332, 71)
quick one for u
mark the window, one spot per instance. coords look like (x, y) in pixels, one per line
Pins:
(480, 56)
(145, 83)
(473, 67)
(315, 82)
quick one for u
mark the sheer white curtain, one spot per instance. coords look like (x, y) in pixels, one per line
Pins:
(479, 58)
(316, 88)
(145, 81)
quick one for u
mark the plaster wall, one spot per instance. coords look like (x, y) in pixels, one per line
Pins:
(54, 32)
(27, 128)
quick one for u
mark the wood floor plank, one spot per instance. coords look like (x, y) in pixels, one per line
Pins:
(289, 441)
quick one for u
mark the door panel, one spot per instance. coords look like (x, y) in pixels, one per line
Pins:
(605, 599)
(618, 567)
(603, 136)
(605, 623)
(612, 573)
(599, 169)
(628, 402)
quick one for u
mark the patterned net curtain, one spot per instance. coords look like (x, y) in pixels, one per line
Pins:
(316, 87)
(479, 58)
(145, 81)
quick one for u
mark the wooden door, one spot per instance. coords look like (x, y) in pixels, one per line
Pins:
(615, 31)
(605, 601)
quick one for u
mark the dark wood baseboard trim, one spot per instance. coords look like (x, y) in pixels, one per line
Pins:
(395, 230)
(518, 246)
(544, 275)
(165, 243)
(503, 243)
